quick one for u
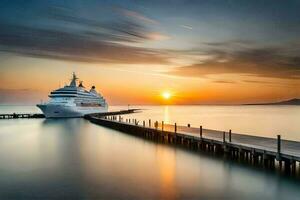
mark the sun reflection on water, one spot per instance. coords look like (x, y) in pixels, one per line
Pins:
(166, 114)
(166, 165)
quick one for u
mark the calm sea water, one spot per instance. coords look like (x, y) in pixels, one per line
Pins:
(74, 159)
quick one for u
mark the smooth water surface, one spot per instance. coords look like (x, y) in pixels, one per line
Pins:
(75, 159)
(267, 121)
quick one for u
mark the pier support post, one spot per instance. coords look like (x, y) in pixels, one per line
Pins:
(162, 126)
(278, 155)
(175, 133)
(293, 166)
(150, 123)
(144, 123)
(230, 135)
(201, 132)
(224, 137)
(278, 144)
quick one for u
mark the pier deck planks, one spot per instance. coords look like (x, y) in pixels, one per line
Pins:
(288, 148)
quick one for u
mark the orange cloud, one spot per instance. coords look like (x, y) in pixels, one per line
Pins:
(157, 36)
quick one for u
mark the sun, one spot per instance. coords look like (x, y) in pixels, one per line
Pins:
(166, 95)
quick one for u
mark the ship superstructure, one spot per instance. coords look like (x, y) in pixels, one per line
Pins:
(73, 101)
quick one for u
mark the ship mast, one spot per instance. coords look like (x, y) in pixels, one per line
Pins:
(73, 81)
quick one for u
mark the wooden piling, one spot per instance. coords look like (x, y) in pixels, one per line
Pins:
(201, 132)
(278, 157)
(278, 144)
(230, 135)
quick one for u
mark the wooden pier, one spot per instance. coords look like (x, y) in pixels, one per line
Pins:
(282, 155)
(112, 113)
(38, 115)
(22, 116)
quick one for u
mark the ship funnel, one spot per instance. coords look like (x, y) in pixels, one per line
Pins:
(93, 89)
(80, 84)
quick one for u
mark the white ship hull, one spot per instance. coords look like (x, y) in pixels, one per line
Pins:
(66, 111)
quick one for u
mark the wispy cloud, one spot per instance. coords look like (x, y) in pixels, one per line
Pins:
(55, 44)
(13, 96)
(119, 29)
(187, 27)
(271, 62)
(224, 81)
(157, 36)
(86, 40)
(17, 90)
(258, 81)
(137, 16)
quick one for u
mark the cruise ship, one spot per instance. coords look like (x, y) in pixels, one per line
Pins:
(73, 101)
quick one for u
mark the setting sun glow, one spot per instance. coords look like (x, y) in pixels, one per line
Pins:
(166, 95)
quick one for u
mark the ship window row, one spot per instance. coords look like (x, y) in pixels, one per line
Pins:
(83, 97)
(64, 96)
(89, 101)
(78, 94)
(78, 99)
(72, 92)
(79, 91)
(75, 95)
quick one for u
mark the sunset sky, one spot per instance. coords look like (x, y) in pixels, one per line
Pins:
(134, 52)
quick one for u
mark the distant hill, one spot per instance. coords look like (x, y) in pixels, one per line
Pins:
(287, 102)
